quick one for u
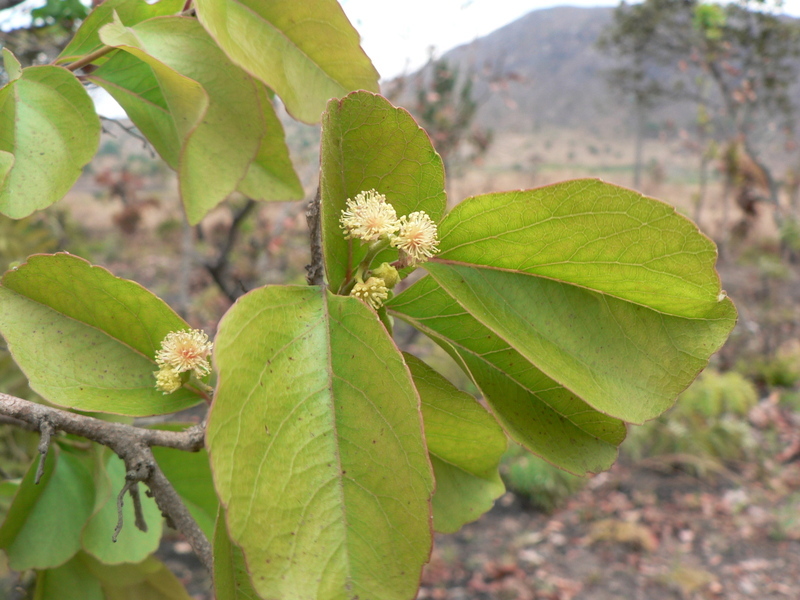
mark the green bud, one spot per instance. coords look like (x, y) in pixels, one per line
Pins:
(388, 273)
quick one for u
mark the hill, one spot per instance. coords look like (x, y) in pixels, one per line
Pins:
(555, 67)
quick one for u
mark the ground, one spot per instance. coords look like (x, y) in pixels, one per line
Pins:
(634, 533)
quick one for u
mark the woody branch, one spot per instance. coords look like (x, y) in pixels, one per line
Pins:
(132, 444)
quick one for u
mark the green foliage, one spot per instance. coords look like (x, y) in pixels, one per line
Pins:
(708, 422)
(780, 370)
(49, 125)
(60, 11)
(574, 308)
(308, 52)
(97, 356)
(467, 481)
(406, 169)
(357, 492)
(541, 484)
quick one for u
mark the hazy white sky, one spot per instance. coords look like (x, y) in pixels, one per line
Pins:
(397, 35)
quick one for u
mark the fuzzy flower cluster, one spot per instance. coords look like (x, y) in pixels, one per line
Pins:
(182, 352)
(417, 237)
(369, 217)
(373, 291)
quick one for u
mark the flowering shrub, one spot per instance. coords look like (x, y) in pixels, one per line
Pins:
(328, 456)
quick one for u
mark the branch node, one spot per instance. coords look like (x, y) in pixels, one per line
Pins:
(141, 471)
(47, 430)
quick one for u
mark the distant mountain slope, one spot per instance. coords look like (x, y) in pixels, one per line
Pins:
(552, 52)
(558, 76)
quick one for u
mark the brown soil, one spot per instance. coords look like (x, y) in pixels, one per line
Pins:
(633, 534)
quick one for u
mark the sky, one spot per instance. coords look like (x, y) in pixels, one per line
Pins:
(398, 36)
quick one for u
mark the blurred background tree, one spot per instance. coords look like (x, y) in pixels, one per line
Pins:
(736, 61)
(37, 36)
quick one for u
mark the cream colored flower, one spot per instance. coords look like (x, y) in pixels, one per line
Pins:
(373, 291)
(183, 351)
(167, 380)
(416, 238)
(369, 217)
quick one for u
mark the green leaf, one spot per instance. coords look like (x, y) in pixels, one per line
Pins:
(316, 447)
(25, 497)
(71, 581)
(132, 545)
(58, 512)
(535, 410)
(149, 579)
(610, 314)
(48, 123)
(231, 579)
(86, 339)
(306, 52)
(129, 12)
(190, 475)
(6, 164)
(162, 103)
(271, 175)
(238, 135)
(591, 234)
(466, 445)
(11, 65)
(623, 359)
(369, 144)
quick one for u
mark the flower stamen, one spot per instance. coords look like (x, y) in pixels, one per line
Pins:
(416, 238)
(183, 351)
(369, 217)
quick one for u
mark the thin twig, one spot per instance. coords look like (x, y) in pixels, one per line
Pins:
(120, 504)
(316, 269)
(218, 268)
(90, 58)
(47, 431)
(132, 445)
(131, 131)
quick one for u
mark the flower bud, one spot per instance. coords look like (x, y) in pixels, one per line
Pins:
(388, 273)
(373, 291)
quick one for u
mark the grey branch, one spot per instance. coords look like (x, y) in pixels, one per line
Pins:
(316, 270)
(132, 445)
